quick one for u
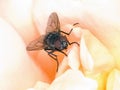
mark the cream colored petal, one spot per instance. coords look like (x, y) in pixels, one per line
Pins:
(41, 85)
(17, 71)
(113, 82)
(31, 89)
(63, 67)
(86, 59)
(73, 80)
(73, 58)
(101, 56)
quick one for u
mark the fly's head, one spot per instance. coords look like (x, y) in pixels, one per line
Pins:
(61, 43)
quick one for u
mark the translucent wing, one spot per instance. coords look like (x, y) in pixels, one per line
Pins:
(53, 23)
(36, 44)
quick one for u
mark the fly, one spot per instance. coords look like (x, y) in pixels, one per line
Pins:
(53, 40)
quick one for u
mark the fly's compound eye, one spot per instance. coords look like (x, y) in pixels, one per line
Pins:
(64, 44)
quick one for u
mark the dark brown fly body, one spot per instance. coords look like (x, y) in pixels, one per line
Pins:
(53, 40)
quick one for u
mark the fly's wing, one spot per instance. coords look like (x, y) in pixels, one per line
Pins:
(53, 23)
(36, 44)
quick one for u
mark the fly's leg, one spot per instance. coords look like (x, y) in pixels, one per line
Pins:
(69, 34)
(70, 43)
(74, 43)
(66, 32)
(61, 52)
(70, 30)
(52, 55)
(75, 24)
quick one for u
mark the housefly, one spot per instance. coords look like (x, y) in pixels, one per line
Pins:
(53, 40)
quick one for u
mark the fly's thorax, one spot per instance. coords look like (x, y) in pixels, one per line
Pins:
(50, 38)
(55, 40)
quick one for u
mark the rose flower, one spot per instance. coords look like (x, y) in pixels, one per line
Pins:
(94, 65)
